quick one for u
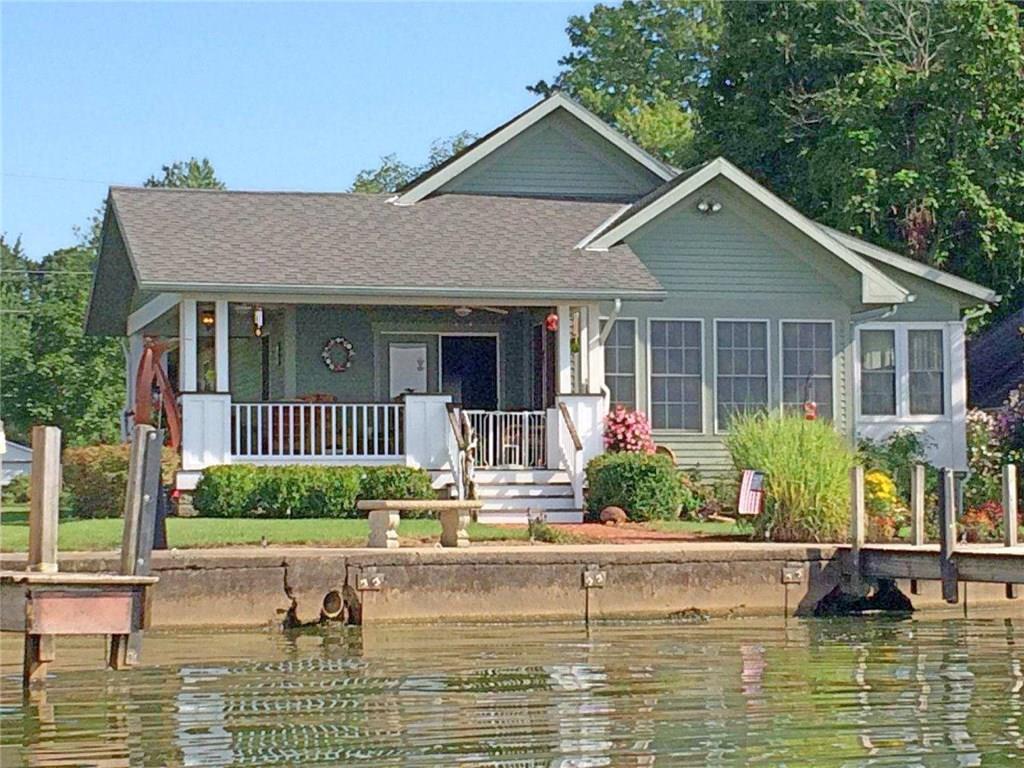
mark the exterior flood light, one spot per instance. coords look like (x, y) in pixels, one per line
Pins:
(707, 206)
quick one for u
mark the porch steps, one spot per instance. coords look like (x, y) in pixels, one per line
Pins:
(509, 496)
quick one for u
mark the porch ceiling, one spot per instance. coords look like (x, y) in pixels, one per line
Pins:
(468, 246)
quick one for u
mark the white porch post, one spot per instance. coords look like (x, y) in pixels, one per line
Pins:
(220, 327)
(564, 348)
(595, 350)
(187, 346)
(958, 393)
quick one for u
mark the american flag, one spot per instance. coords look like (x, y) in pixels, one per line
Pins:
(751, 493)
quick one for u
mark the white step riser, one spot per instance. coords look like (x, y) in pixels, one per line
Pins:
(522, 491)
(521, 516)
(519, 477)
(542, 503)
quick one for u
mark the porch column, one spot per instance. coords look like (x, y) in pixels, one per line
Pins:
(220, 340)
(564, 348)
(957, 390)
(187, 346)
(595, 350)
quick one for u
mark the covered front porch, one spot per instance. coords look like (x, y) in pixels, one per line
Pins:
(447, 386)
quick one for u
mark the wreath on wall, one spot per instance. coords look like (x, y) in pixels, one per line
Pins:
(337, 354)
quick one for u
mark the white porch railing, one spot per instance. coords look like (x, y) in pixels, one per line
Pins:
(509, 438)
(314, 430)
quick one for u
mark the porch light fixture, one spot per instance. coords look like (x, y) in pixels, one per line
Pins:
(257, 321)
(708, 206)
(207, 318)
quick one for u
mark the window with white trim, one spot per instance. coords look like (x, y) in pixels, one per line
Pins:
(807, 366)
(925, 368)
(675, 376)
(902, 371)
(620, 363)
(741, 374)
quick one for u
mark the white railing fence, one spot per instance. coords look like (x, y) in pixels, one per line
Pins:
(315, 430)
(509, 438)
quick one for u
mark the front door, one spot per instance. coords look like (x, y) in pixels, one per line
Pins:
(469, 371)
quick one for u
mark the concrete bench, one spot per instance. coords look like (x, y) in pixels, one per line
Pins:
(385, 515)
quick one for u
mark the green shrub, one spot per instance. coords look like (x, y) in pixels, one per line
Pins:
(95, 478)
(304, 491)
(16, 491)
(647, 486)
(806, 466)
(397, 482)
(241, 490)
(228, 491)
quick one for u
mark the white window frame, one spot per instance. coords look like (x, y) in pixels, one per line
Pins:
(835, 364)
(767, 355)
(636, 356)
(703, 375)
(900, 332)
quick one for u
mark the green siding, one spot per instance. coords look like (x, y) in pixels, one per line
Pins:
(557, 157)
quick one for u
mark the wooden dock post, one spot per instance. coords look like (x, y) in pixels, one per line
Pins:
(917, 534)
(947, 538)
(43, 518)
(858, 523)
(137, 540)
(1010, 500)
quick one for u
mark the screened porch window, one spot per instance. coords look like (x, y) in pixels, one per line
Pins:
(807, 366)
(620, 363)
(676, 372)
(741, 377)
(925, 368)
(878, 373)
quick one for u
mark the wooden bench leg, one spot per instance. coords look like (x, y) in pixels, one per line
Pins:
(453, 528)
(384, 529)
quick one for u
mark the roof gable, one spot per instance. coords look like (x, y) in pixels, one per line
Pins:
(876, 287)
(442, 175)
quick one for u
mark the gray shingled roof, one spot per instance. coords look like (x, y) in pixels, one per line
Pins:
(339, 243)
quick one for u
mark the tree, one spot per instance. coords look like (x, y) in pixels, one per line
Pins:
(900, 120)
(640, 66)
(191, 174)
(15, 274)
(392, 174)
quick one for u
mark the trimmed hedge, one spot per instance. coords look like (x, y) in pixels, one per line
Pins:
(647, 486)
(241, 490)
(95, 478)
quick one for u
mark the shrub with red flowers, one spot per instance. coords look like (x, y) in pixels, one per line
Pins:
(983, 522)
(627, 431)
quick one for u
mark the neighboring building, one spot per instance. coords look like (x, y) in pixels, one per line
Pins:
(15, 461)
(995, 361)
(551, 263)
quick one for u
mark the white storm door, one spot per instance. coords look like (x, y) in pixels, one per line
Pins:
(408, 368)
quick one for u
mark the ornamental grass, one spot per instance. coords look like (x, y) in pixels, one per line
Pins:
(806, 466)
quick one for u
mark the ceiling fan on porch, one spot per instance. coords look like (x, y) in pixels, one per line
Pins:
(465, 311)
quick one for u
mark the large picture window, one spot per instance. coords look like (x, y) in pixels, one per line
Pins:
(807, 366)
(620, 363)
(741, 376)
(676, 371)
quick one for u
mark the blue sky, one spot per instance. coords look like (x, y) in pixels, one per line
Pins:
(278, 96)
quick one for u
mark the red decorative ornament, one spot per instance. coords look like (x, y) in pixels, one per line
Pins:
(810, 410)
(551, 322)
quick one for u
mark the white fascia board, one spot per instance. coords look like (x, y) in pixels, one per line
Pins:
(910, 266)
(516, 127)
(876, 287)
(151, 310)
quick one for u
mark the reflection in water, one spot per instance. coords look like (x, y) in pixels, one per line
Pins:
(732, 692)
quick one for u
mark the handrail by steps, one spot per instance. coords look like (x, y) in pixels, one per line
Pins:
(576, 471)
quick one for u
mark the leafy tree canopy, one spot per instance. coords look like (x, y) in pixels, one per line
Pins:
(192, 174)
(392, 174)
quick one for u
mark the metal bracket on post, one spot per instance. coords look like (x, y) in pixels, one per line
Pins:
(793, 573)
(369, 580)
(594, 577)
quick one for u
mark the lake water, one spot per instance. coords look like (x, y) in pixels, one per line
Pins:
(926, 691)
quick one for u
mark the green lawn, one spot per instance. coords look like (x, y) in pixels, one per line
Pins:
(700, 528)
(196, 532)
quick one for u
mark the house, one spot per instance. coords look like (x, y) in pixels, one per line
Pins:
(15, 461)
(995, 361)
(549, 269)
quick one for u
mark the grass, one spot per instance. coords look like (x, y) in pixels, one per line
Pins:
(699, 528)
(198, 532)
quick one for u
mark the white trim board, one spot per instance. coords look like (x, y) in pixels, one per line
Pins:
(151, 311)
(876, 286)
(434, 181)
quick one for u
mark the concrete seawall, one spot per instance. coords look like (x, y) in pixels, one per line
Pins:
(259, 587)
